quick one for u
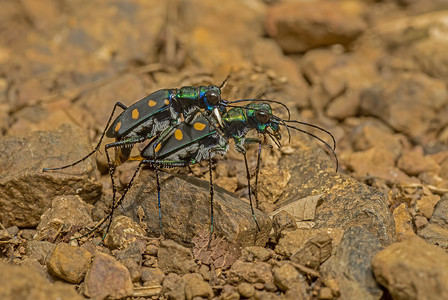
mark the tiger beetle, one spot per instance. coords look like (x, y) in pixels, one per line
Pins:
(154, 115)
(202, 139)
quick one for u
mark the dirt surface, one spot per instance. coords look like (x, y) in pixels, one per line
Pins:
(373, 73)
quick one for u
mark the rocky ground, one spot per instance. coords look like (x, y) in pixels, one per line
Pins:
(373, 73)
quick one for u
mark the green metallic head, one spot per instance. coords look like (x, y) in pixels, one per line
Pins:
(210, 99)
(260, 117)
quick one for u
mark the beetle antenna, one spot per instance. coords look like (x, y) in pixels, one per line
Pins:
(224, 82)
(319, 139)
(314, 126)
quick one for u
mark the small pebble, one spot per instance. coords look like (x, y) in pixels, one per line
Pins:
(107, 278)
(285, 276)
(195, 286)
(13, 230)
(325, 293)
(420, 221)
(173, 286)
(69, 263)
(183, 263)
(245, 289)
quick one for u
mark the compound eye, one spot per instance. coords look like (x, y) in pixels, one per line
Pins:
(212, 97)
(262, 116)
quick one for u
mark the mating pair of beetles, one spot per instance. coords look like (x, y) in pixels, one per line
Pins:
(186, 126)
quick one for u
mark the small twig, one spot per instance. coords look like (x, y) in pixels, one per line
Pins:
(55, 236)
(434, 189)
(11, 241)
(147, 291)
(306, 270)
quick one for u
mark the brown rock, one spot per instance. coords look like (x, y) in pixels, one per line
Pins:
(426, 203)
(436, 232)
(131, 258)
(293, 88)
(269, 191)
(174, 258)
(69, 263)
(283, 221)
(431, 178)
(123, 231)
(229, 293)
(440, 214)
(226, 46)
(372, 134)
(206, 273)
(315, 251)
(107, 278)
(325, 293)
(28, 234)
(316, 63)
(22, 160)
(350, 265)
(414, 163)
(229, 183)
(344, 202)
(13, 230)
(344, 106)
(376, 162)
(403, 222)
(429, 57)
(420, 222)
(256, 253)
(174, 287)
(34, 265)
(4, 111)
(23, 283)
(286, 277)
(401, 102)
(250, 272)
(39, 250)
(152, 247)
(405, 277)
(332, 284)
(293, 241)
(66, 213)
(319, 98)
(186, 208)
(42, 15)
(127, 89)
(300, 26)
(196, 286)
(267, 295)
(134, 268)
(245, 289)
(152, 276)
(435, 235)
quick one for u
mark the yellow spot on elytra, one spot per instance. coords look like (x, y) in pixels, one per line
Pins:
(135, 114)
(136, 158)
(117, 127)
(178, 134)
(152, 103)
(158, 147)
(167, 102)
(199, 126)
